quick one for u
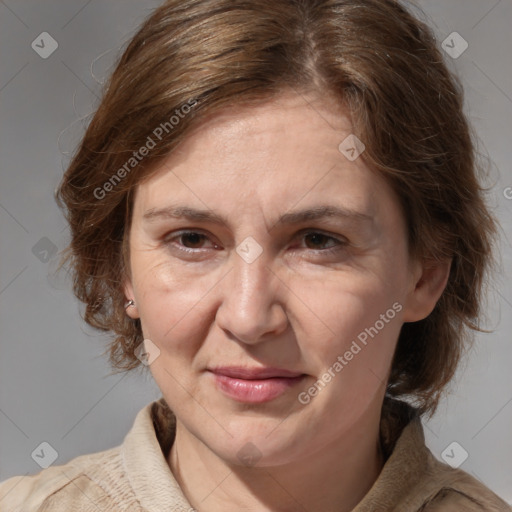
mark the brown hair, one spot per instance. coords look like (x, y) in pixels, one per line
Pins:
(192, 58)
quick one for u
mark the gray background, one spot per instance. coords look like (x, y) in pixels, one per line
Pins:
(54, 384)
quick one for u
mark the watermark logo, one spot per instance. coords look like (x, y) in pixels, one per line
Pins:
(351, 147)
(146, 352)
(44, 250)
(454, 45)
(249, 250)
(44, 45)
(249, 454)
(44, 455)
(454, 454)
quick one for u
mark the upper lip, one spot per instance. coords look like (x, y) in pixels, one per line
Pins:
(239, 372)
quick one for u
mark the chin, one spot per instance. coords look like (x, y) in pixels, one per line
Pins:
(252, 441)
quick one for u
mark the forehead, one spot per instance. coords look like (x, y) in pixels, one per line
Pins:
(290, 126)
(267, 158)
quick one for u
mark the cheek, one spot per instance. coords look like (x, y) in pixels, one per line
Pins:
(175, 315)
(172, 304)
(360, 323)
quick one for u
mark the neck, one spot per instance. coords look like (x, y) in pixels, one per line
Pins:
(335, 478)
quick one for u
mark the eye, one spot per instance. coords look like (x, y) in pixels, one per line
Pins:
(317, 241)
(196, 242)
(189, 241)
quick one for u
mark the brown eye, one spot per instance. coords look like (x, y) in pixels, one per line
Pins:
(192, 240)
(189, 242)
(316, 240)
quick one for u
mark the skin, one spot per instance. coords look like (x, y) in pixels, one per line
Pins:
(297, 306)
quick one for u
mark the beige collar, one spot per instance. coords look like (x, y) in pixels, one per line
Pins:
(147, 445)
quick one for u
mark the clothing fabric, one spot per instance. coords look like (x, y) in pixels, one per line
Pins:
(135, 476)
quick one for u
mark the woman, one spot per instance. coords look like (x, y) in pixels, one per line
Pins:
(267, 210)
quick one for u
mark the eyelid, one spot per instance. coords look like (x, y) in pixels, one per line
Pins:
(335, 236)
(304, 231)
(170, 237)
(340, 241)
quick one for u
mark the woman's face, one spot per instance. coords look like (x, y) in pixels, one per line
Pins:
(272, 274)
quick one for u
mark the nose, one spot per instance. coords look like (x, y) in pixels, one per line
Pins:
(251, 309)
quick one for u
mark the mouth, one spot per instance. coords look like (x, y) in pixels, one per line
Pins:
(254, 385)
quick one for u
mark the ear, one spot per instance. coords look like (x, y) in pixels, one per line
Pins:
(131, 311)
(428, 281)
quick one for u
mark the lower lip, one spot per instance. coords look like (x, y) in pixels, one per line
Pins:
(255, 391)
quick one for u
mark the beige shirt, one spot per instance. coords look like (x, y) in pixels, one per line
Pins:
(135, 476)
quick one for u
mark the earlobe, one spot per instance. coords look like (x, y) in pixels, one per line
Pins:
(427, 287)
(130, 306)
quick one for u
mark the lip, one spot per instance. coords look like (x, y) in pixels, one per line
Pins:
(254, 385)
(241, 372)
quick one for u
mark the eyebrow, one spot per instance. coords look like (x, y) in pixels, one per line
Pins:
(296, 217)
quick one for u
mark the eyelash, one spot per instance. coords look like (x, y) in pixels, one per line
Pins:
(340, 243)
